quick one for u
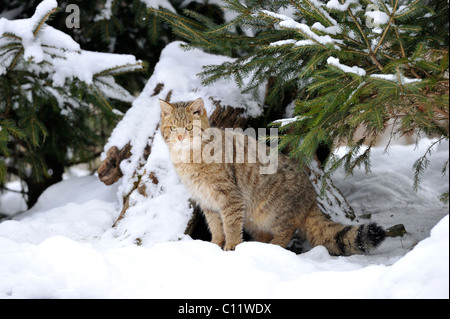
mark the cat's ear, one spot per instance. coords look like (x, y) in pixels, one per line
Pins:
(197, 107)
(166, 108)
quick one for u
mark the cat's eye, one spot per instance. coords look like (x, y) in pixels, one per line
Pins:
(173, 128)
(189, 127)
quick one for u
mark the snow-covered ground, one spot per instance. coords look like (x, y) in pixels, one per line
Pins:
(64, 247)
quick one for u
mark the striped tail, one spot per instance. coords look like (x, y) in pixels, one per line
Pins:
(340, 239)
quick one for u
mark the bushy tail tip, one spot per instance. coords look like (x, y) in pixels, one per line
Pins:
(369, 237)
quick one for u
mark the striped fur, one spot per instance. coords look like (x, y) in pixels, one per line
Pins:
(271, 208)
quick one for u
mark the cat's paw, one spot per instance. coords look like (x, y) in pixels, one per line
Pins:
(219, 242)
(230, 247)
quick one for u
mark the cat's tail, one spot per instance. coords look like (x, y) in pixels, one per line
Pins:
(340, 239)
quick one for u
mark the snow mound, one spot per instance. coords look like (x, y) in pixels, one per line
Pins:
(60, 267)
(65, 247)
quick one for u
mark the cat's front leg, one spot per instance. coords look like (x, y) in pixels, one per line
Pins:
(215, 227)
(233, 223)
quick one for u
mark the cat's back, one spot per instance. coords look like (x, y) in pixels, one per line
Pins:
(240, 170)
(286, 184)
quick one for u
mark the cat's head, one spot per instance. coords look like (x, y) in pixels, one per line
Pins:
(181, 120)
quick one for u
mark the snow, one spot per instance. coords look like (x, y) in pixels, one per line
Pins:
(378, 17)
(397, 78)
(283, 42)
(106, 12)
(299, 43)
(287, 121)
(305, 30)
(355, 70)
(333, 30)
(84, 65)
(156, 4)
(318, 4)
(63, 57)
(337, 5)
(49, 36)
(11, 201)
(65, 247)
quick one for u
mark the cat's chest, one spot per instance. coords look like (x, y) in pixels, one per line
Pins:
(199, 185)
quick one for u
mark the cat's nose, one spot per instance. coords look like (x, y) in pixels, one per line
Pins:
(180, 137)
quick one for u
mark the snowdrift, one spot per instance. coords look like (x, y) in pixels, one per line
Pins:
(65, 247)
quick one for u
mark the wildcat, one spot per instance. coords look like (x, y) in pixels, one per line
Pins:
(236, 196)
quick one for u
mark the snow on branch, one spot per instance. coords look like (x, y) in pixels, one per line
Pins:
(397, 78)
(347, 69)
(333, 30)
(337, 5)
(49, 51)
(287, 121)
(85, 65)
(299, 43)
(377, 17)
(106, 12)
(165, 4)
(305, 30)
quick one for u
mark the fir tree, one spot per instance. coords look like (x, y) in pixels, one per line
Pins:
(349, 64)
(56, 100)
(129, 27)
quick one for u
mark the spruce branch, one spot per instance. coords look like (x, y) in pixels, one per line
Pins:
(387, 27)
(16, 59)
(421, 164)
(320, 13)
(122, 69)
(42, 21)
(360, 29)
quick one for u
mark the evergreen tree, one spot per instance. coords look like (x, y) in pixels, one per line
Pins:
(56, 100)
(349, 64)
(105, 26)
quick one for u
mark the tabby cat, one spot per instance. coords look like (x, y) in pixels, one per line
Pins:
(235, 195)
